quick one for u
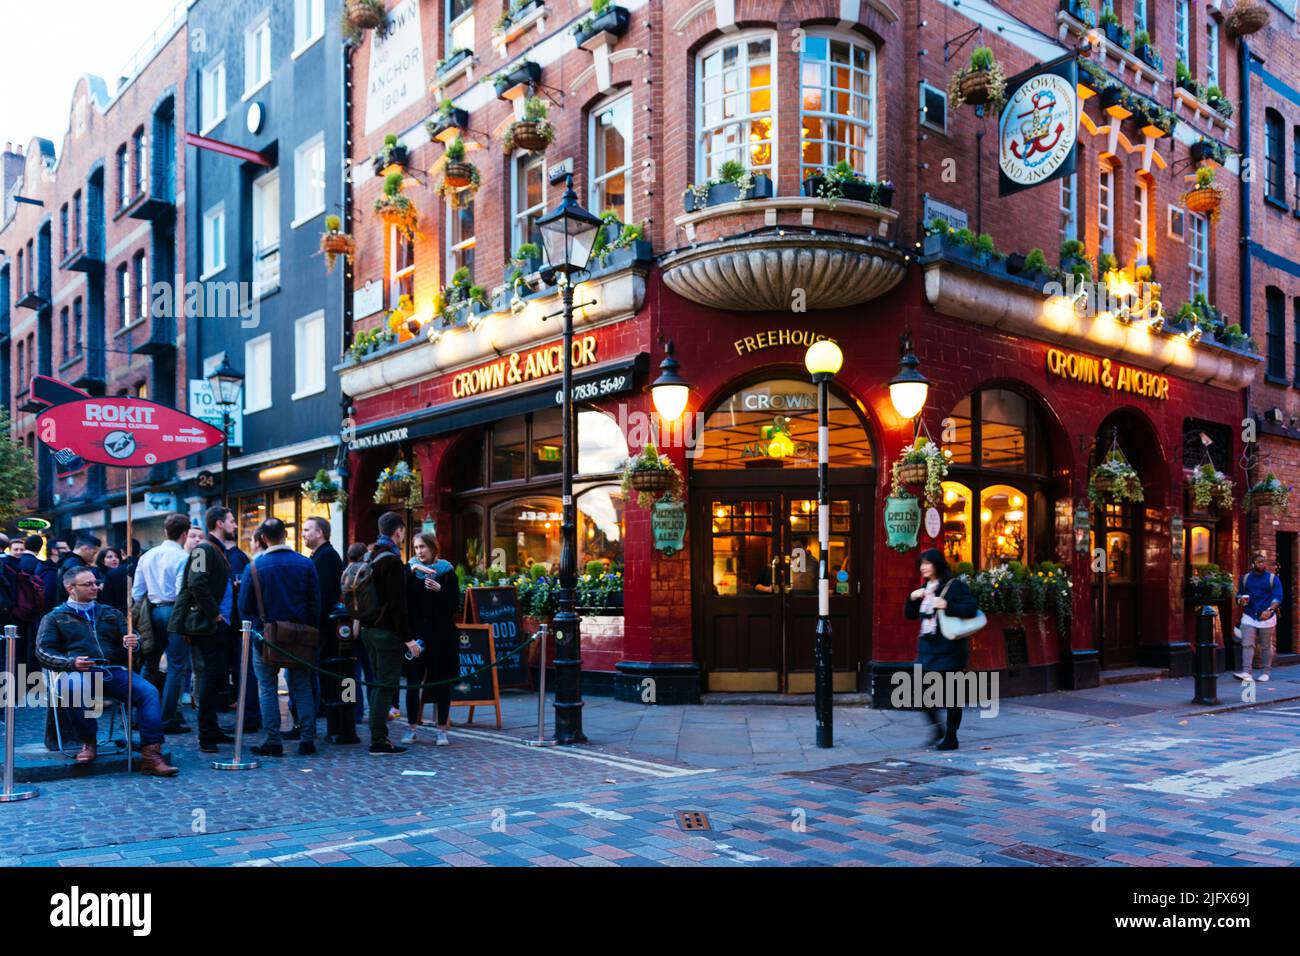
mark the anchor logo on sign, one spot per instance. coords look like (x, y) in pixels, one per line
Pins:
(1036, 128)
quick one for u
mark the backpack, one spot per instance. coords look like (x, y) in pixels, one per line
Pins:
(359, 594)
(29, 597)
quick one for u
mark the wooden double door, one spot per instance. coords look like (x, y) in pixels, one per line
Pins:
(755, 561)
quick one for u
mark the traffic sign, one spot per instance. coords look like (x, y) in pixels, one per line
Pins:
(124, 432)
(203, 405)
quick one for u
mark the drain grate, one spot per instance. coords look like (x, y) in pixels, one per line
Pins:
(879, 775)
(1042, 856)
(693, 820)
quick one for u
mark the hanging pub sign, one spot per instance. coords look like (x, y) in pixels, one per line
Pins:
(668, 522)
(1039, 126)
(902, 522)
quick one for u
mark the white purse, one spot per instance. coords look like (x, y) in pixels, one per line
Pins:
(955, 628)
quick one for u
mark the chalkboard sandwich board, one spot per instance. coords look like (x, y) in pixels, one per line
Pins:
(499, 607)
(478, 686)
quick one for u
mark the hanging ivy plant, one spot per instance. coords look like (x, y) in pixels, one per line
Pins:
(1269, 493)
(921, 463)
(1114, 480)
(1210, 487)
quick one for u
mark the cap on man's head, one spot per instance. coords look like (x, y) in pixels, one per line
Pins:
(1260, 555)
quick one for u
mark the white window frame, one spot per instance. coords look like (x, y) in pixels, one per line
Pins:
(1211, 52)
(212, 95)
(214, 241)
(1141, 221)
(266, 255)
(302, 181)
(517, 162)
(926, 90)
(125, 283)
(1182, 17)
(140, 158)
(597, 179)
(257, 54)
(257, 380)
(142, 286)
(309, 355)
(1068, 203)
(1198, 254)
(741, 41)
(870, 146)
(458, 244)
(397, 275)
(461, 28)
(308, 15)
(1139, 16)
(1106, 208)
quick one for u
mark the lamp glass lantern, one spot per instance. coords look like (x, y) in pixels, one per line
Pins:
(568, 233)
(670, 391)
(909, 388)
(226, 382)
(823, 358)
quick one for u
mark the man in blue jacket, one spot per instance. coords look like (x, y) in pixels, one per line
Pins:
(1259, 592)
(290, 593)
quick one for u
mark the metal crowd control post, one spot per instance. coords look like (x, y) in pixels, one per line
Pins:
(541, 740)
(1207, 681)
(237, 764)
(10, 795)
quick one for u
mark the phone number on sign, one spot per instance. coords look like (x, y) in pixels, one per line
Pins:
(606, 386)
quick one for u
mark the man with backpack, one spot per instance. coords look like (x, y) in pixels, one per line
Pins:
(374, 592)
(1259, 592)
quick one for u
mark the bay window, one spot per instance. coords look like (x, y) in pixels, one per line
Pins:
(734, 106)
(837, 97)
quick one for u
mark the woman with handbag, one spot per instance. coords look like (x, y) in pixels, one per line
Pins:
(943, 599)
(433, 597)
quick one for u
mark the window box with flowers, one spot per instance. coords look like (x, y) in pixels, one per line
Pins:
(401, 320)
(394, 208)
(1209, 488)
(618, 244)
(734, 183)
(843, 182)
(1270, 493)
(451, 61)
(652, 476)
(533, 132)
(334, 242)
(370, 342)
(1114, 481)
(515, 19)
(447, 124)
(392, 157)
(1115, 33)
(1208, 585)
(1215, 99)
(920, 463)
(458, 297)
(981, 83)
(1146, 51)
(525, 73)
(1081, 10)
(1012, 589)
(605, 18)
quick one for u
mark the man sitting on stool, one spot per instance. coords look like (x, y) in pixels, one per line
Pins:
(82, 639)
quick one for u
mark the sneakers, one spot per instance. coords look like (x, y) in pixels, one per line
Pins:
(409, 737)
(1262, 678)
(1243, 675)
(442, 740)
(306, 748)
(385, 748)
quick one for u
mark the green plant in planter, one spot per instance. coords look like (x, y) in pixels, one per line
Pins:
(322, 489)
(1210, 487)
(650, 474)
(932, 461)
(831, 188)
(1035, 261)
(1270, 492)
(1114, 480)
(1074, 260)
(598, 8)
(1108, 19)
(732, 172)
(980, 83)
(1107, 262)
(535, 124)
(984, 245)
(395, 208)
(938, 226)
(363, 343)
(1217, 101)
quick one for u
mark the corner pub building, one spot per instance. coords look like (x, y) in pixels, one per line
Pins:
(1027, 391)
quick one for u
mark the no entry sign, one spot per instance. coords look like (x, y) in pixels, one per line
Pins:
(125, 432)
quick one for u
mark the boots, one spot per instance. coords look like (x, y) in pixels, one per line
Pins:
(88, 753)
(152, 763)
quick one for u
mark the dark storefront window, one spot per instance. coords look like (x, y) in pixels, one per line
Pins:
(286, 503)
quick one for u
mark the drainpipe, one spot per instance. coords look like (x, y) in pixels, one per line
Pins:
(345, 133)
(1244, 257)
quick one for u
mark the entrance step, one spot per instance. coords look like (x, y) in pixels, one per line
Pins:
(783, 700)
(1129, 675)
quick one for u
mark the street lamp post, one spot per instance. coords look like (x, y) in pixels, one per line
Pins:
(225, 383)
(823, 359)
(568, 233)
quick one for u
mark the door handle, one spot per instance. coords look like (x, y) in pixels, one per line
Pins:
(777, 584)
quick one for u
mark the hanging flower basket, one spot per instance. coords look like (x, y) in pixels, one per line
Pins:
(1248, 16)
(1204, 200)
(1114, 480)
(651, 475)
(1269, 493)
(324, 490)
(921, 463)
(395, 484)
(397, 490)
(653, 482)
(981, 83)
(976, 87)
(459, 175)
(335, 242)
(364, 14)
(1210, 488)
(531, 135)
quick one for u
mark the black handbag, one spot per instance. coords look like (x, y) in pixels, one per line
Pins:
(286, 643)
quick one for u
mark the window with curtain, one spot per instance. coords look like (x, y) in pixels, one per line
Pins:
(1274, 159)
(837, 103)
(610, 148)
(733, 105)
(1275, 306)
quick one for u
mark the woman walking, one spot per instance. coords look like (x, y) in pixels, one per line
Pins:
(433, 597)
(941, 591)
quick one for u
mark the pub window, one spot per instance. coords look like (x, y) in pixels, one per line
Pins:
(1198, 255)
(460, 238)
(1275, 306)
(1141, 219)
(837, 78)
(1274, 160)
(401, 279)
(611, 158)
(529, 199)
(733, 104)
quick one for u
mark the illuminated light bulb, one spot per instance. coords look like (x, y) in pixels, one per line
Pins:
(1059, 309)
(949, 496)
(986, 516)
(720, 513)
(1015, 516)
(434, 334)
(1017, 501)
(1002, 539)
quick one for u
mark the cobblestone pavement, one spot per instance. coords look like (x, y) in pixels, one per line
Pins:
(1153, 787)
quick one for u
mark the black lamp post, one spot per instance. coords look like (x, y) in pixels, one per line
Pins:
(225, 383)
(568, 233)
(823, 359)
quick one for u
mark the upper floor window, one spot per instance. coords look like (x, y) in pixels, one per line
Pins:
(63, 231)
(401, 277)
(1069, 206)
(123, 176)
(22, 274)
(734, 105)
(257, 373)
(309, 179)
(1295, 342)
(1295, 165)
(611, 158)
(141, 267)
(1181, 15)
(837, 83)
(257, 54)
(31, 267)
(76, 219)
(529, 195)
(212, 95)
(1139, 16)
(1275, 306)
(1274, 159)
(63, 332)
(1141, 220)
(1106, 209)
(1211, 52)
(1198, 255)
(460, 25)
(124, 294)
(460, 237)
(77, 343)
(266, 232)
(140, 159)
(308, 23)
(309, 355)
(22, 366)
(214, 240)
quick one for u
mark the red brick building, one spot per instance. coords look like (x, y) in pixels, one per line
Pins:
(89, 231)
(1027, 392)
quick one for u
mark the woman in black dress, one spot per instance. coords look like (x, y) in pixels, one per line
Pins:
(433, 598)
(941, 591)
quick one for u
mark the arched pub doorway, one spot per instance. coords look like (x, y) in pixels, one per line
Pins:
(755, 551)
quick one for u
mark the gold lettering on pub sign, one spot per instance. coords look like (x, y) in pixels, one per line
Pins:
(1090, 370)
(518, 367)
(774, 338)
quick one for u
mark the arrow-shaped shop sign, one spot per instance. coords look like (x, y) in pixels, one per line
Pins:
(125, 432)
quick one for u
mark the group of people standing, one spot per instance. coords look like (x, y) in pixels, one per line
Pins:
(188, 595)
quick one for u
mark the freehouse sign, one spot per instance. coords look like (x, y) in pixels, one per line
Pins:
(1090, 370)
(518, 367)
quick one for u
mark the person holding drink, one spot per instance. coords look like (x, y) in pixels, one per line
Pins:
(1259, 593)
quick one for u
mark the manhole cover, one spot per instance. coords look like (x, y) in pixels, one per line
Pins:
(879, 775)
(1042, 856)
(693, 820)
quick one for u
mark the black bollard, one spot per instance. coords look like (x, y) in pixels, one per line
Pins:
(1207, 681)
(340, 715)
